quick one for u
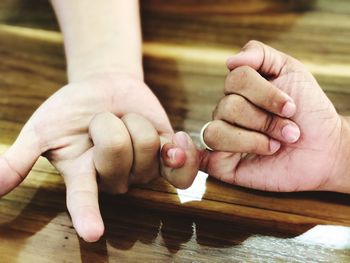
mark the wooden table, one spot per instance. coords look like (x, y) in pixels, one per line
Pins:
(185, 46)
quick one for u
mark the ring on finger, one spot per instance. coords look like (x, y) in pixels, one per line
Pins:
(201, 136)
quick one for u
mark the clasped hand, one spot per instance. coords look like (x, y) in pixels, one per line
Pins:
(274, 129)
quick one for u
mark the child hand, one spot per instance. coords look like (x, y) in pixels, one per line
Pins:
(59, 130)
(126, 151)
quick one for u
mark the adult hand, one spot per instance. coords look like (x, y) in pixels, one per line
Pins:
(283, 103)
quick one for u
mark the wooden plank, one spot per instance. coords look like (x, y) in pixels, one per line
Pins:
(197, 89)
(184, 63)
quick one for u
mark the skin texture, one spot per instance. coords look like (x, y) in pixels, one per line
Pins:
(78, 130)
(85, 129)
(247, 103)
(317, 161)
(100, 36)
(86, 132)
(90, 129)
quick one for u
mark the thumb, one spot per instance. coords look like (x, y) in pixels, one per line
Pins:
(180, 160)
(19, 159)
(263, 58)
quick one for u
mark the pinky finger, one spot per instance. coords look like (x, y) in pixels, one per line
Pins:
(180, 161)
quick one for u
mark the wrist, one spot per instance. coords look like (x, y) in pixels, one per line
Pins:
(81, 67)
(98, 40)
(341, 177)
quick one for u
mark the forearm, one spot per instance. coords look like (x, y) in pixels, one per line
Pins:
(100, 36)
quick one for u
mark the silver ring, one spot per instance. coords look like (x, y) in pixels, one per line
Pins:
(201, 136)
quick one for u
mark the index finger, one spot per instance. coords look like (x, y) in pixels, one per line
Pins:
(18, 160)
(248, 83)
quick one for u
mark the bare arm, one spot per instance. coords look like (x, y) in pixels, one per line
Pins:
(100, 36)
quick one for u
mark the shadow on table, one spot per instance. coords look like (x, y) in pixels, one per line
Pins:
(34, 213)
(129, 225)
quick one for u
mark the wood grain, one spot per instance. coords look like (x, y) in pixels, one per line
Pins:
(185, 46)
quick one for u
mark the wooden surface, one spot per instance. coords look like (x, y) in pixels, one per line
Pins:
(186, 44)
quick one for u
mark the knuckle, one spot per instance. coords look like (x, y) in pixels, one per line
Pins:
(233, 107)
(252, 44)
(228, 104)
(244, 68)
(276, 99)
(100, 117)
(220, 108)
(237, 78)
(148, 143)
(115, 143)
(235, 104)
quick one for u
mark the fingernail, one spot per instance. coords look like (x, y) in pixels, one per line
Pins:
(171, 153)
(274, 145)
(181, 139)
(288, 109)
(291, 133)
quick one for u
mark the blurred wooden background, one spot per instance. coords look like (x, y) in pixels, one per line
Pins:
(185, 45)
